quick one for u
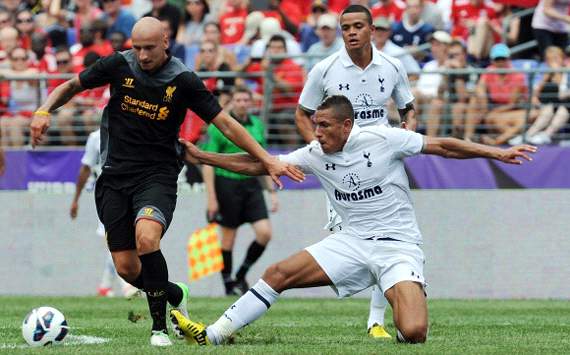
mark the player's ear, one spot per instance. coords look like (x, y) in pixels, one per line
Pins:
(165, 41)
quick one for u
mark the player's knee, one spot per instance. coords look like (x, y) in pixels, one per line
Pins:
(128, 272)
(413, 333)
(147, 243)
(276, 277)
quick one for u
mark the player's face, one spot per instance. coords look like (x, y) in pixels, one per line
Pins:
(330, 132)
(356, 31)
(150, 49)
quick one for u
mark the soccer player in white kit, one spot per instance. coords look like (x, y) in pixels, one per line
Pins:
(368, 78)
(362, 172)
(91, 167)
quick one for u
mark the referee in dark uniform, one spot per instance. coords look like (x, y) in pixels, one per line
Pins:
(141, 156)
(236, 197)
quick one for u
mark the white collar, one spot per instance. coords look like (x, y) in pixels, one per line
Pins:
(347, 62)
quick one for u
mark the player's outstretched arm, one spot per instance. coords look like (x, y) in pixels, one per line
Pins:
(239, 135)
(304, 125)
(59, 97)
(460, 149)
(241, 163)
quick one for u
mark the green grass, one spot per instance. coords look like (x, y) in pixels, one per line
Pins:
(317, 326)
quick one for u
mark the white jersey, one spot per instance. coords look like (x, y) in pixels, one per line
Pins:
(366, 181)
(92, 156)
(368, 90)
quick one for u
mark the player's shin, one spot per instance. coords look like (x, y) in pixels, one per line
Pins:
(155, 277)
(244, 311)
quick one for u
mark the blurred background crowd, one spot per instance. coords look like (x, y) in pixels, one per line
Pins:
(490, 71)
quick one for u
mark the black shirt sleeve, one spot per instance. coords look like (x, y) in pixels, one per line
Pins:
(198, 98)
(102, 72)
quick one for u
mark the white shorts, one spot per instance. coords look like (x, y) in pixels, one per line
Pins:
(354, 264)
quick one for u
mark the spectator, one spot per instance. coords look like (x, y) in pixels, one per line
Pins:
(412, 31)
(212, 33)
(118, 41)
(44, 60)
(209, 63)
(85, 14)
(196, 15)
(308, 30)
(287, 12)
(552, 94)
(551, 24)
(392, 9)
(328, 43)
(459, 88)
(431, 14)
(269, 27)
(162, 9)
(91, 39)
(26, 27)
(477, 23)
(252, 24)
(232, 21)
(426, 90)
(8, 42)
(12, 6)
(176, 49)
(22, 98)
(502, 98)
(117, 18)
(383, 43)
(5, 19)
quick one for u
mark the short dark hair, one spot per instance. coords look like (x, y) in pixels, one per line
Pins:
(241, 89)
(278, 38)
(458, 43)
(356, 9)
(341, 106)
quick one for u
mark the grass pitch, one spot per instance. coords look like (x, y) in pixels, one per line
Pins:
(292, 326)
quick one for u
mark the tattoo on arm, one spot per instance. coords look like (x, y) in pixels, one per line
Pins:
(62, 94)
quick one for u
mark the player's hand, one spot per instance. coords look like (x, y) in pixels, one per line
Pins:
(73, 209)
(514, 154)
(212, 209)
(274, 201)
(191, 152)
(276, 168)
(38, 127)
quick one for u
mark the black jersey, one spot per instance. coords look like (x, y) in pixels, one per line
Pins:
(140, 124)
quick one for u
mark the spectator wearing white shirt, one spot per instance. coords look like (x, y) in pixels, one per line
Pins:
(328, 43)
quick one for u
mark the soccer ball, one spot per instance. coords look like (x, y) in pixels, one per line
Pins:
(44, 326)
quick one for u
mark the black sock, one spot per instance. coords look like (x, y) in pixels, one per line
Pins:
(155, 277)
(253, 253)
(227, 270)
(173, 290)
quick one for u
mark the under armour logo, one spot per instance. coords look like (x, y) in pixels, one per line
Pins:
(381, 81)
(330, 166)
(345, 86)
(367, 157)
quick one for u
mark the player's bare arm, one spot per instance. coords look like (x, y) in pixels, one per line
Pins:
(304, 124)
(59, 97)
(239, 135)
(209, 180)
(408, 117)
(461, 149)
(84, 173)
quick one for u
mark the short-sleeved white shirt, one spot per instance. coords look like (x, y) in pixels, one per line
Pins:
(366, 181)
(368, 90)
(92, 155)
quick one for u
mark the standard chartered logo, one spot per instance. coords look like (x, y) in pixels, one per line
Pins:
(144, 108)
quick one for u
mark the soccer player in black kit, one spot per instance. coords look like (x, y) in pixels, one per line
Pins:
(141, 156)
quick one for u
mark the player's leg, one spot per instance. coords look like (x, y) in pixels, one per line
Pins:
(408, 302)
(228, 240)
(378, 305)
(255, 212)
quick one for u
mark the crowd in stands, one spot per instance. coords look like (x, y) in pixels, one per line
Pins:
(236, 36)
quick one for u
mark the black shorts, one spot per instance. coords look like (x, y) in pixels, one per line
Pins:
(154, 197)
(240, 201)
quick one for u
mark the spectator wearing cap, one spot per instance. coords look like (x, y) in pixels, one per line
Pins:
(308, 31)
(252, 24)
(162, 9)
(478, 24)
(196, 15)
(501, 100)
(412, 31)
(426, 91)
(392, 9)
(551, 24)
(329, 41)
(268, 28)
(232, 21)
(381, 38)
(117, 18)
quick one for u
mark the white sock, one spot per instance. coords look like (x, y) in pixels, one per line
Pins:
(252, 305)
(109, 272)
(378, 304)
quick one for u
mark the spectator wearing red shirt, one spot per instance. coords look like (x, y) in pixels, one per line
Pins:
(477, 24)
(26, 27)
(288, 12)
(232, 21)
(391, 9)
(92, 39)
(502, 98)
(44, 59)
(85, 13)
